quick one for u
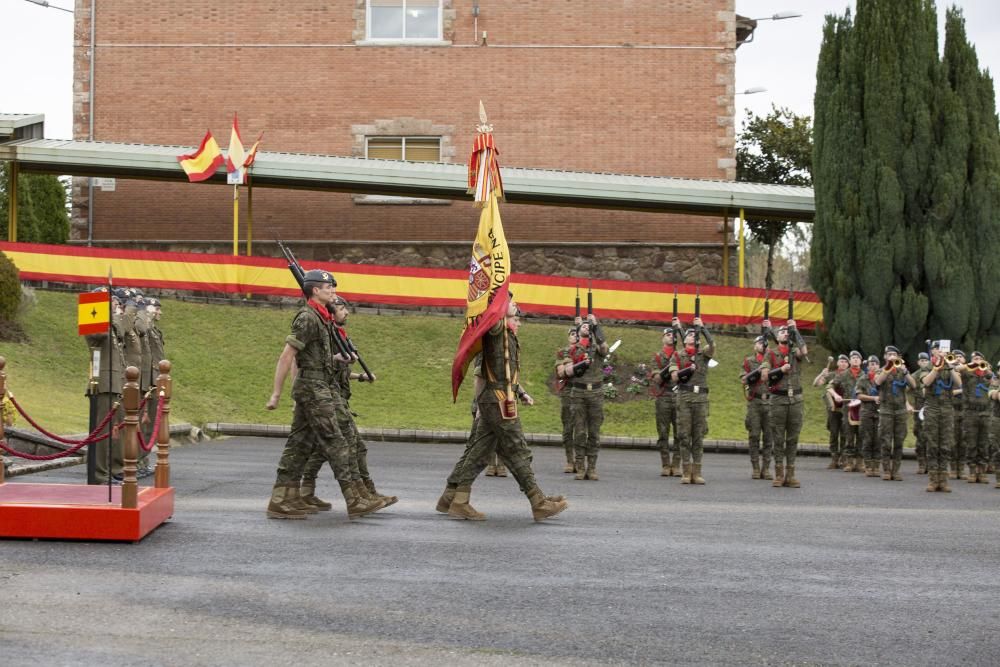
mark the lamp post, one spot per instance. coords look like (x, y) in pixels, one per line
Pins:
(753, 90)
(45, 3)
(747, 26)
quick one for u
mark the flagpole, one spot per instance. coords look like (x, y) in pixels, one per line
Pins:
(249, 212)
(236, 220)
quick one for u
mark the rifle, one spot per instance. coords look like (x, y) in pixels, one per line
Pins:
(344, 345)
(595, 329)
(791, 315)
(578, 300)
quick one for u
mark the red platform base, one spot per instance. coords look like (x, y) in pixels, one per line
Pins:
(80, 512)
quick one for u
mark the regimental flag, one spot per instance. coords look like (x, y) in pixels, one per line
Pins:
(488, 293)
(93, 313)
(201, 164)
(252, 155)
(235, 156)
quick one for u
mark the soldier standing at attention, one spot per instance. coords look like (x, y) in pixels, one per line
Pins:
(314, 424)
(833, 405)
(587, 397)
(785, 379)
(690, 371)
(106, 387)
(976, 377)
(844, 385)
(758, 419)
(866, 391)
(995, 425)
(940, 384)
(566, 406)
(499, 429)
(916, 403)
(958, 453)
(147, 380)
(892, 380)
(664, 388)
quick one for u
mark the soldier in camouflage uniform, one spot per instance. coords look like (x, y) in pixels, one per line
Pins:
(995, 425)
(785, 380)
(360, 477)
(866, 391)
(958, 453)
(940, 384)
(586, 392)
(664, 388)
(565, 403)
(841, 390)
(758, 419)
(892, 380)
(317, 401)
(499, 429)
(916, 403)
(976, 378)
(834, 413)
(689, 369)
(107, 389)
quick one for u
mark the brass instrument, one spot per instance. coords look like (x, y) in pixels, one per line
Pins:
(897, 363)
(950, 359)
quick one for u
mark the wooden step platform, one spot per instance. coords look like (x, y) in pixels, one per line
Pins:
(80, 512)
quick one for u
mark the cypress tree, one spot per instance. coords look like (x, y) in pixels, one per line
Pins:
(41, 208)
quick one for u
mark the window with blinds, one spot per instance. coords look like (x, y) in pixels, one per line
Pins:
(413, 149)
(404, 19)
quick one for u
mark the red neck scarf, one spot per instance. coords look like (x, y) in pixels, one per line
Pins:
(323, 312)
(668, 350)
(855, 372)
(783, 349)
(760, 357)
(690, 350)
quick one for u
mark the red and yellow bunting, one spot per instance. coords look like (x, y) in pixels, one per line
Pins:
(403, 286)
(93, 313)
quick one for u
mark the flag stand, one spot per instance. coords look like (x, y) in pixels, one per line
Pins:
(236, 220)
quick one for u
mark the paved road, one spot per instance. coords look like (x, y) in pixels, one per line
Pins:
(639, 570)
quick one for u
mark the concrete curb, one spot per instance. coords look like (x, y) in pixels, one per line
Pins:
(534, 439)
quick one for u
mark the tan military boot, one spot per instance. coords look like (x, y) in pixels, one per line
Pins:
(592, 469)
(307, 492)
(460, 507)
(444, 502)
(501, 470)
(921, 466)
(491, 470)
(686, 476)
(542, 507)
(665, 464)
(932, 481)
(294, 497)
(942, 484)
(849, 464)
(675, 465)
(357, 505)
(765, 469)
(859, 464)
(388, 500)
(754, 469)
(790, 480)
(886, 470)
(984, 477)
(569, 467)
(834, 463)
(279, 507)
(896, 475)
(997, 485)
(973, 475)
(696, 477)
(779, 475)
(581, 468)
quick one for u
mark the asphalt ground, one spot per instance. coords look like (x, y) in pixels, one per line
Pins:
(847, 570)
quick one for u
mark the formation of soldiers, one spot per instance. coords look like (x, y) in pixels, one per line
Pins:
(136, 340)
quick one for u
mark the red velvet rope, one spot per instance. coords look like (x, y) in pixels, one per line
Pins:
(49, 457)
(91, 437)
(156, 428)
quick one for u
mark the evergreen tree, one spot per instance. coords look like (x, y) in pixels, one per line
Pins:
(42, 216)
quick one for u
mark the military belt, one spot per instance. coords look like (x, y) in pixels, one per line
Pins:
(693, 388)
(584, 385)
(312, 374)
(978, 407)
(787, 392)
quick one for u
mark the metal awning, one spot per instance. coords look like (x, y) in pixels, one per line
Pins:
(415, 179)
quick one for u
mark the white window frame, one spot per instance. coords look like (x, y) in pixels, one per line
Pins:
(432, 41)
(403, 139)
(405, 201)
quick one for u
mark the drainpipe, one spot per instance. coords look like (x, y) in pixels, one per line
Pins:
(90, 132)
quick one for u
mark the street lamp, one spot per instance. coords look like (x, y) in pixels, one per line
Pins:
(752, 90)
(745, 27)
(45, 3)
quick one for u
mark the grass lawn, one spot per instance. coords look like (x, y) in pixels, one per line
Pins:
(224, 359)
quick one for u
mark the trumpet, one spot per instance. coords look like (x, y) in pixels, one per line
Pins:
(950, 359)
(897, 363)
(979, 366)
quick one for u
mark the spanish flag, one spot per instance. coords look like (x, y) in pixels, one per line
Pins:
(201, 164)
(93, 313)
(236, 156)
(252, 155)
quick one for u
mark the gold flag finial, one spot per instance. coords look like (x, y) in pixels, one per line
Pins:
(483, 126)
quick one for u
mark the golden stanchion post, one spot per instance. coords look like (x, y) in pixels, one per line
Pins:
(130, 399)
(3, 394)
(164, 388)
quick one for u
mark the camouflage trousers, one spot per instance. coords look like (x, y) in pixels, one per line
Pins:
(692, 424)
(868, 430)
(958, 453)
(587, 408)
(918, 434)
(456, 476)
(892, 433)
(493, 435)
(786, 425)
(758, 425)
(939, 434)
(357, 450)
(566, 414)
(99, 450)
(666, 421)
(314, 426)
(976, 436)
(852, 437)
(835, 426)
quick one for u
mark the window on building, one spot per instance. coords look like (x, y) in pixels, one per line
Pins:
(404, 19)
(414, 149)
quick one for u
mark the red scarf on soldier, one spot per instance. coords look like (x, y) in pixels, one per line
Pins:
(855, 372)
(321, 309)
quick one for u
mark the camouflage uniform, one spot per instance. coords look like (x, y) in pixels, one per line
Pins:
(939, 428)
(666, 412)
(917, 401)
(868, 429)
(565, 412)
(758, 418)
(835, 427)
(843, 383)
(586, 396)
(106, 392)
(976, 422)
(786, 411)
(892, 420)
(995, 426)
(692, 408)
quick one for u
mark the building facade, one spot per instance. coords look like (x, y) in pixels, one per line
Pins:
(640, 87)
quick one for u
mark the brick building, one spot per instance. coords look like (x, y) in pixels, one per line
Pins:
(640, 87)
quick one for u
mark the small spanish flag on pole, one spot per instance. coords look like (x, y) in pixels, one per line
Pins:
(204, 162)
(93, 313)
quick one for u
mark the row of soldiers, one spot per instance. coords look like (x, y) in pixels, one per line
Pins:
(954, 401)
(136, 340)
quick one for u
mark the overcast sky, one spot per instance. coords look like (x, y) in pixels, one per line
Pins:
(36, 50)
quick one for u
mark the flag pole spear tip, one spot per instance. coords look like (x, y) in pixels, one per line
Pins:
(484, 126)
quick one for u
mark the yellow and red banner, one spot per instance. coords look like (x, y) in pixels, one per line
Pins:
(204, 162)
(400, 286)
(235, 156)
(93, 313)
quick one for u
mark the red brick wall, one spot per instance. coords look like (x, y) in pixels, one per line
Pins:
(565, 83)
